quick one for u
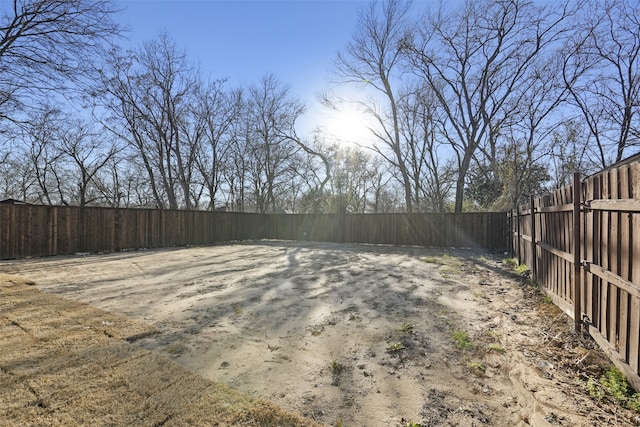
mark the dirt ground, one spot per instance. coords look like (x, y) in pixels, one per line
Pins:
(352, 335)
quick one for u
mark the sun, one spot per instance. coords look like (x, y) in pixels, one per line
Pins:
(349, 124)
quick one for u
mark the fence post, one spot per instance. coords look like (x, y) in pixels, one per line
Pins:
(518, 248)
(577, 288)
(534, 252)
(510, 235)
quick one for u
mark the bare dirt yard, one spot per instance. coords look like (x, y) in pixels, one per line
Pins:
(351, 335)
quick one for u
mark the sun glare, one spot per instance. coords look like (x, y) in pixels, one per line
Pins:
(349, 124)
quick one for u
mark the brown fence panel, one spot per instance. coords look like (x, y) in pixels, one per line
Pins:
(606, 273)
(29, 230)
(477, 230)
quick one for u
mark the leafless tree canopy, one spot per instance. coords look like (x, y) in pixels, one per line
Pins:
(49, 46)
(471, 106)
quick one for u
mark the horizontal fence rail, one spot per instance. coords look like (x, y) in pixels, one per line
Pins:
(31, 230)
(582, 245)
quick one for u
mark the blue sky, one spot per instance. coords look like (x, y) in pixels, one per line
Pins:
(296, 41)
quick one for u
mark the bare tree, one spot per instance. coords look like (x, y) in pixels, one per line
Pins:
(36, 146)
(214, 111)
(602, 72)
(514, 161)
(17, 180)
(56, 159)
(314, 198)
(239, 162)
(355, 176)
(46, 45)
(419, 123)
(518, 176)
(386, 196)
(85, 154)
(118, 182)
(149, 96)
(474, 60)
(569, 153)
(271, 108)
(371, 59)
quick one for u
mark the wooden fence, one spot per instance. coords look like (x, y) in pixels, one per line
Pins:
(29, 230)
(582, 245)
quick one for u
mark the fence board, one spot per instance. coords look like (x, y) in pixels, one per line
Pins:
(598, 248)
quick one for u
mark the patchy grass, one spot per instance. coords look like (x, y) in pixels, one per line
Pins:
(237, 310)
(336, 368)
(336, 371)
(496, 348)
(438, 260)
(408, 328)
(522, 269)
(461, 340)
(511, 261)
(449, 263)
(395, 348)
(477, 368)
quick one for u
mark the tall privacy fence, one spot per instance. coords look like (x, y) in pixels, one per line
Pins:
(29, 230)
(582, 245)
